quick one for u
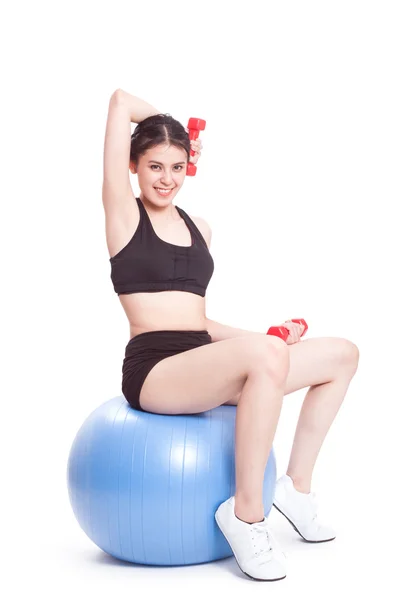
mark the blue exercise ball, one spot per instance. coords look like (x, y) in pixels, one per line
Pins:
(145, 487)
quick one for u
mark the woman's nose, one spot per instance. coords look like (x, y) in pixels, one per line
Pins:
(167, 176)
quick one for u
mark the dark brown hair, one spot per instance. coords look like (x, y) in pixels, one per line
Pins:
(155, 130)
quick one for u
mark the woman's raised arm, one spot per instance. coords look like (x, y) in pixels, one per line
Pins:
(123, 109)
(138, 109)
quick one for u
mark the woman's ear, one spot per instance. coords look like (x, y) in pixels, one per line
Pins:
(132, 168)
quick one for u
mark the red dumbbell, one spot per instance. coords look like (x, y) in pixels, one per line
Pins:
(283, 332)
(194, 126)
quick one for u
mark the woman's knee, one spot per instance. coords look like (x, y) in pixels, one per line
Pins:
(269, 354)
(349, 354)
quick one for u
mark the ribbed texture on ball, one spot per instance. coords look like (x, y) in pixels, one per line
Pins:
(145, 487)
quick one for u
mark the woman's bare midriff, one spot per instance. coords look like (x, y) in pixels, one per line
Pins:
(155, 311)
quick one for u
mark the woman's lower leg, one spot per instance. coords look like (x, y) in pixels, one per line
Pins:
(320, 407)
(257, 416)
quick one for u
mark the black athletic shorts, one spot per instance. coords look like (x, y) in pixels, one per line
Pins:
(146, 349)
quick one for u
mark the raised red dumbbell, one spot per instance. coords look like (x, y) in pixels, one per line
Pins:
(283, 332)
(194, 126)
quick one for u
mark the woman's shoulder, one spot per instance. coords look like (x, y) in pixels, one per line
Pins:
(203, 227)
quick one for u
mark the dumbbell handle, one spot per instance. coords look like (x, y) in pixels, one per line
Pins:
(194, 126)
(283, 332)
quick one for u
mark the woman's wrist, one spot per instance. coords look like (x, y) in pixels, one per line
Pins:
(138, 109)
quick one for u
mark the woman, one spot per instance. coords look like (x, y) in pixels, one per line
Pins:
(177, 361)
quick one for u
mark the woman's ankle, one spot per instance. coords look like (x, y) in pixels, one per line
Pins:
(248, 512)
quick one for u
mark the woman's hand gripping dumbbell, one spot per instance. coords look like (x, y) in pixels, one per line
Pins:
(194, 127)
(290, 331)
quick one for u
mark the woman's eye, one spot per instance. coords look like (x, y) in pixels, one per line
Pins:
(180, 167)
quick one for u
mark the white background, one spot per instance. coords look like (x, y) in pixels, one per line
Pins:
(299, 181)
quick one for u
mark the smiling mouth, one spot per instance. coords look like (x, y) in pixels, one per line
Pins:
(164, 191)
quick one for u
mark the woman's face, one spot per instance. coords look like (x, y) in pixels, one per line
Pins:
(164, 167)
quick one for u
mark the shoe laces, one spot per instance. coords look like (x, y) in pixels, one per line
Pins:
(263, 540)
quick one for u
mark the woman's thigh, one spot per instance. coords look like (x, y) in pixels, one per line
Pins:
(318, 360)
(205, 377)
(314, 361)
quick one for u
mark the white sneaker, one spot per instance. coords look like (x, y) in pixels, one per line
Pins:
(253, 545)
(301, 511)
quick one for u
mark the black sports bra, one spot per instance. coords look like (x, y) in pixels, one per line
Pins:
(149, 264)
